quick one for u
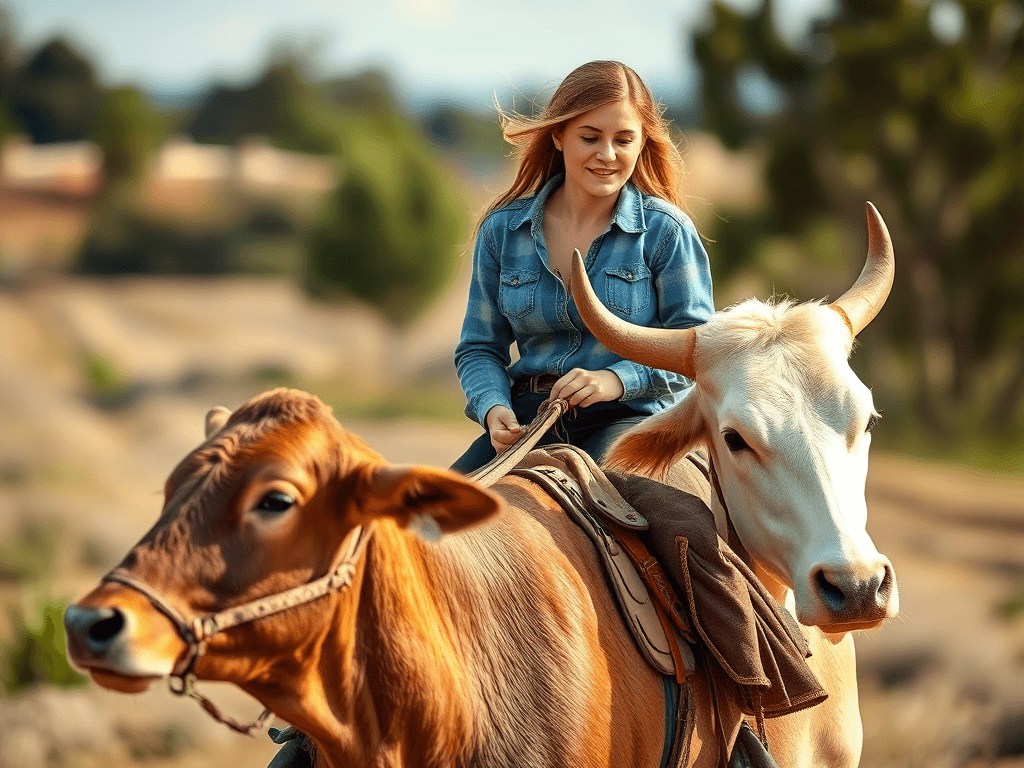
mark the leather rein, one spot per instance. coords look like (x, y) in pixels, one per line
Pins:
(200, 629)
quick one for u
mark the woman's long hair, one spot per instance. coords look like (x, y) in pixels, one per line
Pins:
(659, 167)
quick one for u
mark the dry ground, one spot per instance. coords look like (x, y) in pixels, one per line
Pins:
(942, 685)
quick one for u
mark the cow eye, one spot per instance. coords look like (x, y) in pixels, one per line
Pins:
(872, 422)
(276, 502)
(734, 441)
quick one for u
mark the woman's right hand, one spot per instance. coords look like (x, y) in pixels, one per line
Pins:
(502, 427)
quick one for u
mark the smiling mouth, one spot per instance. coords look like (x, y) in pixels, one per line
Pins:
(603, 172)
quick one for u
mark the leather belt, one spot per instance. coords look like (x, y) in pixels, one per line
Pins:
(540, 383)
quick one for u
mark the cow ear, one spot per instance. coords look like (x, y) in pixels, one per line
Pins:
(653, 446)
(216, 419)
(424, 500)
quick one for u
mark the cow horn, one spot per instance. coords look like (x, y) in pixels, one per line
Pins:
(862, 302)
(670, 349)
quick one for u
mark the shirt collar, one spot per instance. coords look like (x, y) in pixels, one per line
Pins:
(628, 214)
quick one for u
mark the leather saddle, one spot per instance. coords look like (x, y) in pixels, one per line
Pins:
(644, 596)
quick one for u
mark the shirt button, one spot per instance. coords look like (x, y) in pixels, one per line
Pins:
(515, 281)
(629, 275)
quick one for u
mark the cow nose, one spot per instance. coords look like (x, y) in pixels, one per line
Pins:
(94, 628)
(846, 593)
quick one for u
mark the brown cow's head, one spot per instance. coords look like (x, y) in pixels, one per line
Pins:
(787, 423)
(263, 505)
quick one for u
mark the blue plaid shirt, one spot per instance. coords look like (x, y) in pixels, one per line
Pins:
(649, 267)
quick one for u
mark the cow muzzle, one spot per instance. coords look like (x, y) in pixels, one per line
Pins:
(120, 647)
(849, 598)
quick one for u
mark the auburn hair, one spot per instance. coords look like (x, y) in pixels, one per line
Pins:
(659, 167)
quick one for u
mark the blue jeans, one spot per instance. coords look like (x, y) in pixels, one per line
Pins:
(593, 429)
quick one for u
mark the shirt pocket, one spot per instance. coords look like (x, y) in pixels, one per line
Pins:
(515, 295)
(628, 288)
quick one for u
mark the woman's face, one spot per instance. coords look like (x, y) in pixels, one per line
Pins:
(601, 148)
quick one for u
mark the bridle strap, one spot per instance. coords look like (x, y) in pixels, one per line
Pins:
(196, 632)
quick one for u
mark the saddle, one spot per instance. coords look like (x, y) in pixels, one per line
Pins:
(571, 478)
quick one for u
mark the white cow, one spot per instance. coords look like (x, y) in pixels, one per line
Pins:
(788, 425)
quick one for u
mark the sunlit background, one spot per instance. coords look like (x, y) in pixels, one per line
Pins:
(200, 201)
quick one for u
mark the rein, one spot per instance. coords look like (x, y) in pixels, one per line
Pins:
(549, 412)
(200, 629)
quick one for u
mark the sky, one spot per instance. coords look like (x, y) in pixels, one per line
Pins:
(453, 49)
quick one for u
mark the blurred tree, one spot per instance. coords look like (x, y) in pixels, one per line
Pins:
(918, 107)
(283, 105)
(8, 125)
(389, 235)
(128, 128)
(55, 95)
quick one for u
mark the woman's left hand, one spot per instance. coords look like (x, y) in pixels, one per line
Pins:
(582, 388)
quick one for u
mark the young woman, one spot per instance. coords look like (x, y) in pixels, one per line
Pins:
(597, 172)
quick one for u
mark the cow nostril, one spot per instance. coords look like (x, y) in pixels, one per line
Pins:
(831, 595)
(94, 629)
(105, 630)
(884, 591)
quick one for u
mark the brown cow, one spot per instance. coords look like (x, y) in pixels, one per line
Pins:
(498, 646)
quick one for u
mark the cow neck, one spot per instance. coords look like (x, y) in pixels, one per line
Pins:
(405, 657)
(197, 631)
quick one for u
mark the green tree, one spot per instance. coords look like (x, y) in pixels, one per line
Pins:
(389, 234)
(282, 105)
(128, 128)
(55, 94)
(918, 107)
(8, 125)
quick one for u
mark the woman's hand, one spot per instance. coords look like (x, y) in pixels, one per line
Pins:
(502, 427)
(581, 387)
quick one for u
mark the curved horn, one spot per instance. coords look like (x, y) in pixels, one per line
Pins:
(670, 349)
(862, 302)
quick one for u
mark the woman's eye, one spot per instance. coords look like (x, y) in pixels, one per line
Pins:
(625, 142)
(589, 139)
(872, 422)
(276, 502)
(734, 441)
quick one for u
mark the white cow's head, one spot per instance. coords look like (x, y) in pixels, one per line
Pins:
(788, 425)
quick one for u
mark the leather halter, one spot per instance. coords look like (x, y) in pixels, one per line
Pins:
(200, 629)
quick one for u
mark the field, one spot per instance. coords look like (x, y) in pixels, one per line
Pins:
(105, 386)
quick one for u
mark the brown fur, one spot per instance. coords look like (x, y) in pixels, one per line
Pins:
(497, 646)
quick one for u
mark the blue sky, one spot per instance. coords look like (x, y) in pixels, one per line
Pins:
(454, 48)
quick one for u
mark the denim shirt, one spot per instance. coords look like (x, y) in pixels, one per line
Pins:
(648, 267)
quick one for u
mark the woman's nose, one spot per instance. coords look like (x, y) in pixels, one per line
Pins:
(606, 151)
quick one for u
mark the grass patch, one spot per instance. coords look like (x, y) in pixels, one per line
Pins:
(430, 404)
(997, 455)
(36, 652)
(163, 743)
(30, 553)
(1011, 607)
(424, 400)
(106, 385)
(13, 474)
